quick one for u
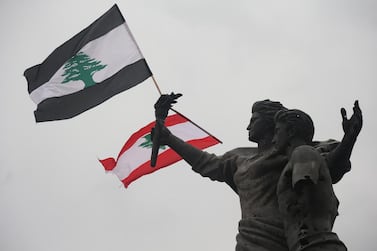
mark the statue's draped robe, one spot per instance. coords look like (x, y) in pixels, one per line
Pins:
(308, 202)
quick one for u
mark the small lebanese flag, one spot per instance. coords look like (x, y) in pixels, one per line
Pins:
(134, 159)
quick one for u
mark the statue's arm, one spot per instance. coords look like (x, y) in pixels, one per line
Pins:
(208, 165)
(339, 158)
(188, 152)
(337, 168)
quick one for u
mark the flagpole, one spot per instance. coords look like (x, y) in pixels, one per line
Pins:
(155, 83)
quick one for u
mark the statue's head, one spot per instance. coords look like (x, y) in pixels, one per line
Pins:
(292, 125)
(262, 119)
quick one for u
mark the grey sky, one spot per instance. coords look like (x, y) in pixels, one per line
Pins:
(315, 55)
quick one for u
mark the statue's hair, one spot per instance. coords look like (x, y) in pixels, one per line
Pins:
(267, 109)
(299, 121)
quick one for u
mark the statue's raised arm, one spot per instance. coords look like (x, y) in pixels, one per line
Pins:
(162, 106)
(339, 158)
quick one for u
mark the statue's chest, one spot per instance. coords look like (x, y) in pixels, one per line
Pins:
(250, 173)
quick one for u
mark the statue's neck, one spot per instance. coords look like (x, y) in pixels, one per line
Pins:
(265, 143)
(293, 144)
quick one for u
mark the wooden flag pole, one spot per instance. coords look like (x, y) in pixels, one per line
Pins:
(155, 83)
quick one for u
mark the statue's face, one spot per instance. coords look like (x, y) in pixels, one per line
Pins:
(257, 127)
(281, 137)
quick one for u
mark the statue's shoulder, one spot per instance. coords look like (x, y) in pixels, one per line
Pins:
(242, 152)
(325, 146)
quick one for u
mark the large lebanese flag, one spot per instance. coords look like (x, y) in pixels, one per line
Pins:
(134, 159)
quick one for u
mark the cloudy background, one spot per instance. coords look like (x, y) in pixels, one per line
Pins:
(315, 55)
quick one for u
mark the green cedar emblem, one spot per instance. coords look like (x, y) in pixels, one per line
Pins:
(148, 142)
(81, 67)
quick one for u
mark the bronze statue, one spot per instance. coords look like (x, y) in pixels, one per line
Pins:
(305, 194)
(253, 173)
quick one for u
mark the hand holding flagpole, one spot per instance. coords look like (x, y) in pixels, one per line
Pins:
(162, 106)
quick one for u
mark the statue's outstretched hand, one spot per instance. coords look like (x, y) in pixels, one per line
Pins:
(352, 126)
(164, 103)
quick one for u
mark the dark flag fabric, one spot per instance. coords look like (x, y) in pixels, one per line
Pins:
(134, 159)
(94, 65)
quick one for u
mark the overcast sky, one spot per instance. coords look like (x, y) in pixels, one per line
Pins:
(314, 55)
